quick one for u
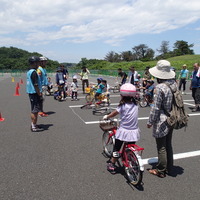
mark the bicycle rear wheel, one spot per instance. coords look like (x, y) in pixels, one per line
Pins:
(116, 89)
(108, 142)
(143, 102)
(133, 172)
(89, 98)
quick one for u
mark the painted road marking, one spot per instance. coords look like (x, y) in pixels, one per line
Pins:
(189, 104)
(140, 118)
(176, 157)
(78, 106)
(83, 97)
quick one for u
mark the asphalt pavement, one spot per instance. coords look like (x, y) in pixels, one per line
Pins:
(65, 161)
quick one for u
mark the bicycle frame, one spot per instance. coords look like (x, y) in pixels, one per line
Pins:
(137, 151)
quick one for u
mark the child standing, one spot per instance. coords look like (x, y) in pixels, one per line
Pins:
(128, 130)
(49, 86)
(74, 88)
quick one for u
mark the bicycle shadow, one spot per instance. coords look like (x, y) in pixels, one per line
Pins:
(120, 170)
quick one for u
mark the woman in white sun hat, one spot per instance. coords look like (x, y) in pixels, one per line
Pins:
(162, 104)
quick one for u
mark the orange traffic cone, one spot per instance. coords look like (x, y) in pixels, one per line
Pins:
(17, 85)
(1, 118)
(21, 81)
(16, 91)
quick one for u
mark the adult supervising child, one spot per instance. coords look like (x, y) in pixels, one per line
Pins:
(34, 90)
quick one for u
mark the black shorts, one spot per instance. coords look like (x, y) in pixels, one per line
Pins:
(118, 145)
(35, 100)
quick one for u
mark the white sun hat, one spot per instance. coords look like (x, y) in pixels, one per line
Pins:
(162, 70)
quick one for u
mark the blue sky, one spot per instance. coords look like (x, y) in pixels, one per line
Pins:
(67, 31)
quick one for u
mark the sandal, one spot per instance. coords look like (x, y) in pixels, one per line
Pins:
(156, 173)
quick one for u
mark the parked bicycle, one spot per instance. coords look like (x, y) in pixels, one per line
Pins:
(115, 88)
(130, 153)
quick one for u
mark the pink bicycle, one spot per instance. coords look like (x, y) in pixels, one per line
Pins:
(130, 153)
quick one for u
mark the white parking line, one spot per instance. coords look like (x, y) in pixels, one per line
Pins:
(176, 157)
(78, 106)
(140, 118)
(189, 104)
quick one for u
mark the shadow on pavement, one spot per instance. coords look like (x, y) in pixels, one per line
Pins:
(50, 112)
(46, 126)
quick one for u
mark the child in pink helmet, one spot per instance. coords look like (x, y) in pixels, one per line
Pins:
(128, 130)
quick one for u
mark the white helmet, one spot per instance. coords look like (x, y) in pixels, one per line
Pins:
(128, 89)
(42, 58)
(74, 77)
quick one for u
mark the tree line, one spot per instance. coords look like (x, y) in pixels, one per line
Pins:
(143, 53)
(13, 58)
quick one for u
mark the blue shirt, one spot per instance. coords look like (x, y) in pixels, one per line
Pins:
(195, 80)
(100, 88)
(150, 90)
(184, 73)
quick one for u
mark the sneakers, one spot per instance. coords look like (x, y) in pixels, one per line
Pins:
(196, 109)
(184, 93)
(42, 114)
(36, 129)
(111, 168)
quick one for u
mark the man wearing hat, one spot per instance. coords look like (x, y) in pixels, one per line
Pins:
(157, 119)
(42, 73)
(34, 90)
(183, 76)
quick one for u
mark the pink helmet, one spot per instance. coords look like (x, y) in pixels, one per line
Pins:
(128, 89)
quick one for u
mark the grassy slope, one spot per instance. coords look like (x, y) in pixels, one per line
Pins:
(176, 62)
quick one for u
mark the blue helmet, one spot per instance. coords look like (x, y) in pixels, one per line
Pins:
(99, 79)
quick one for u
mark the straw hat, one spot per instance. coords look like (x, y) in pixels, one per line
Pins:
(162, 70)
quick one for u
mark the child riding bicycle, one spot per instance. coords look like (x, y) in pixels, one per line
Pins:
(100, 89)
(128, 130)
(149, 90)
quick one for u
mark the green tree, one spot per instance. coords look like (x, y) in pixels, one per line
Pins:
(164, 48)
(143, 52)
(127, 56)
(113, 57)
(182, 48)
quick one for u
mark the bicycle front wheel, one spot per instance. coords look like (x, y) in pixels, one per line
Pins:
(108, 142)
(133, 172)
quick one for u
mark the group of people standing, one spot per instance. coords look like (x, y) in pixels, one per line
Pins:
(128, 130)
(127, 109)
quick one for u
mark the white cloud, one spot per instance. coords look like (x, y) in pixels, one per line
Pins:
(86, 20)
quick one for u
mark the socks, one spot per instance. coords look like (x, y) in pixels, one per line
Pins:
(33, 125)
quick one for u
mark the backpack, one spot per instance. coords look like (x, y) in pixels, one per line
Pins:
(177, 117)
